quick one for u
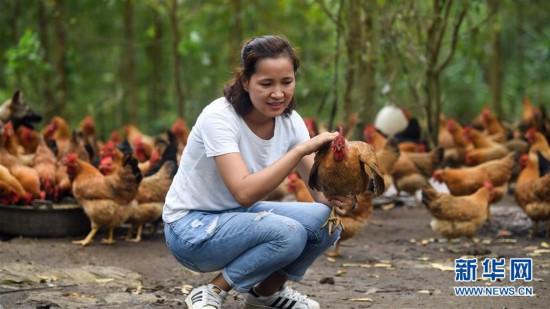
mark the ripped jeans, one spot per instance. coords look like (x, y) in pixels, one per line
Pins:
(249, 244)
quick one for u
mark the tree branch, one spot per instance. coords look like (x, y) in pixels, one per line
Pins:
(454, 41)
(325, 9)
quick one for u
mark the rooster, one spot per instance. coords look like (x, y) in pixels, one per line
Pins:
(18, 111)
(343, 168)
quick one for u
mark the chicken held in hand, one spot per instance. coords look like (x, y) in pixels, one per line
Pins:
(343, 168)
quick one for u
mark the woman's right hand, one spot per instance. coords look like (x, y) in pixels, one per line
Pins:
(313, 144)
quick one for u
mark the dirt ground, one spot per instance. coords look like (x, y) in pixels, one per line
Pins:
(395, 262)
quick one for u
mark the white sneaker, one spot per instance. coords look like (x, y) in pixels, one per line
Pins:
(205, 297)
(286, 298)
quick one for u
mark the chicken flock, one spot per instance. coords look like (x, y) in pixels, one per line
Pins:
(125, 178)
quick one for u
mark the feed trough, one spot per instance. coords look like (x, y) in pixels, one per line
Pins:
(43, 220)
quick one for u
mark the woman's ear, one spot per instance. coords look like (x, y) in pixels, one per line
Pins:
(245, 84)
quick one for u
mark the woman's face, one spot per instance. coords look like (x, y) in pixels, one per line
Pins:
(271, 87)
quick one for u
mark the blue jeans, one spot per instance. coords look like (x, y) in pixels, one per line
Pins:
(250, 244)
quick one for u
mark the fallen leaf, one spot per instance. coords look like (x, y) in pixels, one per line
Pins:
(382, 265)
(423, 258)
(486, 241)
(542, 251)
(442, 267)
(363, 299)
(424, 292)
(508, 240)
(332, 260)
(544, 244)
(104, 280)
(340, 273)
(412, 240)
(530, 248)
(388, 206)
(186, 289)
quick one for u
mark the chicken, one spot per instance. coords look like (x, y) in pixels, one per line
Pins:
(58, 130)
(467, 180)
(297, 186)
(456, 155)
(387, 157)
(28, 139)
(354, 221)
(343, 168)
(444, 139)
(150, 198)
(538, 143)
(372, 136)
(533, 190)
(105, 199)
(407, 176)
(456, 216)
(311, 126)
(142, 144)
(496, 130)
(531, 116)
(45, 164)
(11, 191)
(18, 112)
(485, 148)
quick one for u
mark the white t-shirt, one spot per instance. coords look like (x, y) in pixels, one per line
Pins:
(217, 131)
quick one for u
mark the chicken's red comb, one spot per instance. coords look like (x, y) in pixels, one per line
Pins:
(70, 158)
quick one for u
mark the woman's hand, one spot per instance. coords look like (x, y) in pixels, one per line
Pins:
(343, 205)
(313, 144)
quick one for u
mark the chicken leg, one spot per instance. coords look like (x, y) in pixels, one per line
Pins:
(86, 241)
(332, 221)
(336, 252)
(110, 239)
(138, 234)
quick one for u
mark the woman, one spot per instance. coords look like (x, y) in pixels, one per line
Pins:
(241, 148)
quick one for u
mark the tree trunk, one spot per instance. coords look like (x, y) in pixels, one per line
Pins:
(354, 42)
(62, 85)
(43, 27)
(236, 33)
(154, 53)
(367, 66)
(495, 76)
(175, 56)
(130, 97)
(14, 34)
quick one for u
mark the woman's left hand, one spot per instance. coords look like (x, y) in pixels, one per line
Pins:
(342, 204)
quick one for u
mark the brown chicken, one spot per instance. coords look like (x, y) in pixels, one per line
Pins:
(354, 221)
(11, 191)
(45, 164)
(485, 148)
(142, 144)
(28, 138)
(105, 199)
(456, 216)
(531, 116)
(297, 186)
(496, 130)
(343, 168)
(58, 130)
(533, 190)
(538, 143)
(372, 136)
(150, 198)
(467, 180)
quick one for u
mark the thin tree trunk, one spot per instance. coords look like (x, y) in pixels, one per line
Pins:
(43, 28)
(236, 33)
(14, 33)
(129, 55)
(367, 67)
(62, 86)
(175, 56)
(338, 23)
(154, 52)
(353, 50)
(495, 79)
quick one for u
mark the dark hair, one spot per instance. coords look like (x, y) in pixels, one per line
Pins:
(254, 50)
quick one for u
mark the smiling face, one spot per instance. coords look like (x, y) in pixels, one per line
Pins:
(271, 87)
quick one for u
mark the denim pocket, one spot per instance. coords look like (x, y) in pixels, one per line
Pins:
(194, 228)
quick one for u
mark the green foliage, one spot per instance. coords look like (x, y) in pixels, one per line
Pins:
(212, 32)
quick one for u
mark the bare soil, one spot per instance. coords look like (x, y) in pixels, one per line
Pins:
(395, 262)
